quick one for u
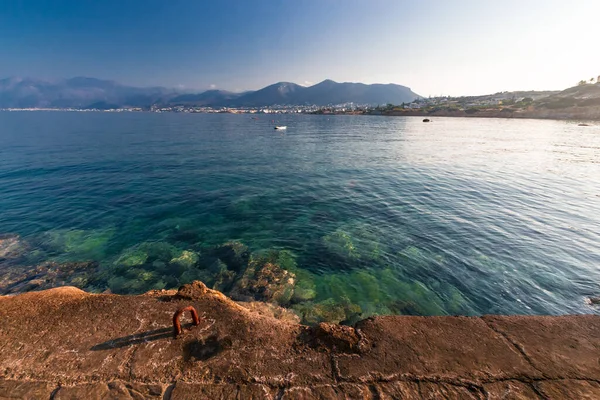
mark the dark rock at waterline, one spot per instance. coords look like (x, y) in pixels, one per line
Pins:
(402, 307)
(192, 291)
(594, 300)
(335, 337)
(234, 254)
(198, 290)
(583, 125)
(224, 280)
(426, 120)
(46, 275)
(264, 281)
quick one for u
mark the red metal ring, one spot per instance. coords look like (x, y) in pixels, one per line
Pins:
(177, 324)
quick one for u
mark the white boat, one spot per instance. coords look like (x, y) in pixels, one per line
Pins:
(280, 128)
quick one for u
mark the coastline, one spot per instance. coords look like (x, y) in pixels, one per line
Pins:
(566, 115)
(66, 343)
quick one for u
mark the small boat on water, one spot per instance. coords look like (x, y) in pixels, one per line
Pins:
(280, 128)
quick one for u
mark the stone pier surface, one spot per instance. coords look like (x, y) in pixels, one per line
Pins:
(67, 344)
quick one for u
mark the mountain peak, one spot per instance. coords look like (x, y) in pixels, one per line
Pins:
(284, 84)
(327, 82)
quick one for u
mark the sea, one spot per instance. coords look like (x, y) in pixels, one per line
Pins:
(373, 215)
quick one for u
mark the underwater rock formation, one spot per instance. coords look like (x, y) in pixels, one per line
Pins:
(187, 259)
(234, 254)
(46, 276)
(365, 287)
(330, 310)
(354, 242)
(75, 244)
(11, 247)
(264, 281)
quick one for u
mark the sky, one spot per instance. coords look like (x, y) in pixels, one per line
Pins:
(435, 47)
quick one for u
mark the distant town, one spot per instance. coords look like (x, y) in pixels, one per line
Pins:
(423, 104)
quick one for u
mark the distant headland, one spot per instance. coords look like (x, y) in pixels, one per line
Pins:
(581, 102)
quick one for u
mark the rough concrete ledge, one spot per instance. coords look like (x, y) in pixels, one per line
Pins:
(67, 344)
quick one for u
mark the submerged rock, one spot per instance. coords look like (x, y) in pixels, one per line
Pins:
(340, 242)
(47, 275)
(187, 259)
(11, 246)
(405, 307)
(264, 281)
(414, 298)
(137, 280)
(76, 243)
(328, 310)
(234, 254)
(305, 288)
(161, 251)
(355, 242)
(304, 291)
(284, 258)
(272, 310)
(224, 280)
(148, 253)
(593, 300)
(153, 265)
(132, 257)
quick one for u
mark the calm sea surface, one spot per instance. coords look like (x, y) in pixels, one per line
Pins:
(383, 215)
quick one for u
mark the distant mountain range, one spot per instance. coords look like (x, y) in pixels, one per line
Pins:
(77, 92)
(82, 92)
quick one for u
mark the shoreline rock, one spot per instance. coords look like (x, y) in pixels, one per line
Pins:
(68, 343)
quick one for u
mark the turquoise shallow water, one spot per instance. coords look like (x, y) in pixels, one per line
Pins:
(378, 215)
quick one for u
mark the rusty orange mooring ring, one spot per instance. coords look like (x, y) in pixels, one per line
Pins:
(177, 324)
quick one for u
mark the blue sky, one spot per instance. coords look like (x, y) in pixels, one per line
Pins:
(436, 47)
